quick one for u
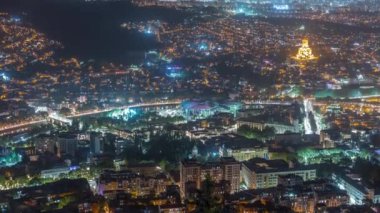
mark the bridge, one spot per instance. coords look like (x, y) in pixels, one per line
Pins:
(54, 117)
(139, 105)
(59, 119)
(260, 102)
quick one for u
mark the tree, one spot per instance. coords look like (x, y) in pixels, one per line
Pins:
(245, 131)
(254, 133)
(207, 201)
(35, 181)
(65, 201)
(370, 172)
(101, 205)
(164, 147)
(65, 111)
(268, 132)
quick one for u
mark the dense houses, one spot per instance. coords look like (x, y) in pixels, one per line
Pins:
(222, 116)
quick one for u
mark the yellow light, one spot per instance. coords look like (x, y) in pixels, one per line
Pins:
(304, 52)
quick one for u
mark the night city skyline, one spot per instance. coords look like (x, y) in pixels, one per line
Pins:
(190, 106)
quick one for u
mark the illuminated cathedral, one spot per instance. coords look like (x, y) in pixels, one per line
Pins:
(304, 52)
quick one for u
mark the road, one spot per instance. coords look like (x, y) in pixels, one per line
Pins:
(9, 129)
(308, 108)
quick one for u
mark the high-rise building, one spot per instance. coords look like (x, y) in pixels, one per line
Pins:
(67, 144)
(231, 172)
(96, 145)
(190, 173)
(193, 173)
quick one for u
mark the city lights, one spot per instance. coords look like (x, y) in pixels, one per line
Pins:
(190, 106)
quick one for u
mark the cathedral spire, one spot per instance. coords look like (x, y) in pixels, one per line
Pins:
(304, 52)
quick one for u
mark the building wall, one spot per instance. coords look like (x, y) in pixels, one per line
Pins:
(232, 174)
(248, 177)
(247, 154)
(222, 171)
(136, 186)
(192, 173)
(266, 180)
(279, 128)
(356, 194)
